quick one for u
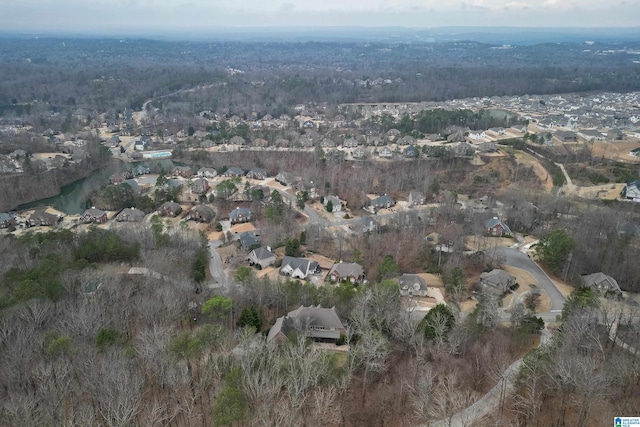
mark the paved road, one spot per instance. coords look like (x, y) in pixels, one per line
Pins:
(515, 258)
(314, 218)
(216, 268)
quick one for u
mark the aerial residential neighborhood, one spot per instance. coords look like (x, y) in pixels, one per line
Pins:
(339, 227)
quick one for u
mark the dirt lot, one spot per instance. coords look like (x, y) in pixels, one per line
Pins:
(618, 151)
(484, 242)
(606, 191)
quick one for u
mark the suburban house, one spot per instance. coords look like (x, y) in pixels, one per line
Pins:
(631, 191)
(130, 215)
(359, 153)
(200, 186)
(183, 171)
(257, 173)
(591, 135)
(336, 203)
(495, 227)
(463, 149)
(94, 215)
(366, 224)
(309, 187)
(300, 268)
(113, 141)
(42, 218)
(457, 136)
(262, 256)
(169, 209)
(118, 178)
(135, 187)
(286, 178)
(566, 136)
(416, 198)
(233, 171)
(318, 323)
(601, 283)
(207, 173)
(496, 281)
(240, 215)
(477, 134)
(410, 151)
(412, 285)
(382, 202)
(343, 271)
(487, 147)
(6, 220)
(201, 213)
(141, 170)
(385, 153)
(249, 239)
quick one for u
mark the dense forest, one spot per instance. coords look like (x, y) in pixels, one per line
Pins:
(101, 74)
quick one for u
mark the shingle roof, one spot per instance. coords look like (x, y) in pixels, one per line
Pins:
(345, 269)
(303, 264)
(600, 281)
(248, 239)
(496, 278)
(317, 322)
(234, 214)
(408, 281)
(492, 222)
(263, 253)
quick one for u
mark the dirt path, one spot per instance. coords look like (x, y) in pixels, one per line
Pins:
(490, 402)
(545, 178)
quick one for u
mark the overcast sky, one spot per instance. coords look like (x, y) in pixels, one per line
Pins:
(157, 15)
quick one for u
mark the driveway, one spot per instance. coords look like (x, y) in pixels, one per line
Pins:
(515, 258)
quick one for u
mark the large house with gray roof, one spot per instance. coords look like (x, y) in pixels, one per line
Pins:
(318, 323)
(343, 271)
(412, 285)
(261, 256)
(497, 281)
(240, 215)
(601, 283)
(382, 202)
(300, 268)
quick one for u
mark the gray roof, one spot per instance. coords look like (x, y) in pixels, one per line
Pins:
(414, 281)
(383, 200)
(133, 184)
(133, 213)
(492, 222)
(263, 253)
(239, 211)
(317, 322)
(302, 263)
(234, 170)
(248, 239)
(497, 278)
(345, 269)
(205, 212)
(601, 282)
(173, 206)
(257, 171)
